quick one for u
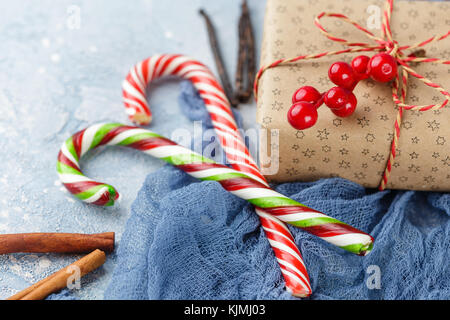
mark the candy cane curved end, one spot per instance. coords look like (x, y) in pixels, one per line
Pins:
(82, 187)
(139, 77)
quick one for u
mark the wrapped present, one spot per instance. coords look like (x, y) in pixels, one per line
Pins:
(367, 147)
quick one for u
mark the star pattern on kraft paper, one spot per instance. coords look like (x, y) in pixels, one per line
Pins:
(437, 98)
(301, 80)
(440, 140)
(370, 137)
(416, 113)
(277, 106)
(429, 25)
(299, 134)
(276, 92)
(363, 122)
(278, 42)
(446, 161)
(414, 99)
(378, 157)
(380, 100)
(323, 81)
(359, 175)
(310, 48)
(337, 122)
(428, 179)
(296, 20)
(413, 168)
(414, 155)
(431, 75)
(295, 68)
(407, 125)
(390, 136)
(292, 172)
(326, 148)
(344, 164)
(267, 120)
(413, 13)
(433, 125)
(308, 153)
(323, 134)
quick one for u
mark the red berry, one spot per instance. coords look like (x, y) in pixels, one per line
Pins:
(302, 115)
(382, 67)
(348, 108)
(360, 66)
(341, 74)
(337, 97)
(306, 94)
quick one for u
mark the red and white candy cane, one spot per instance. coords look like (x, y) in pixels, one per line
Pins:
(135, 100)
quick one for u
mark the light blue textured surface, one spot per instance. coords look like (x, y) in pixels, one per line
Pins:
(56, 79)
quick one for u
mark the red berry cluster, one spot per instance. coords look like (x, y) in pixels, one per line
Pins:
(342, 102)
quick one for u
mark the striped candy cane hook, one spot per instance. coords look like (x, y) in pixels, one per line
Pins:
(218, 106)
(211, 92)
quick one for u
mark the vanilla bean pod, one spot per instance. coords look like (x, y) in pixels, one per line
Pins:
(226, 84)
(246, 56)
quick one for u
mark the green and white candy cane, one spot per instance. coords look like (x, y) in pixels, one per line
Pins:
(238, 183)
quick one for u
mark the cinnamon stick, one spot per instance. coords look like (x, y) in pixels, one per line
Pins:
(56, 242)
(58, 280)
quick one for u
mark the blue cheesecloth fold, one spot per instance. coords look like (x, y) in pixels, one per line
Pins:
(187, 239)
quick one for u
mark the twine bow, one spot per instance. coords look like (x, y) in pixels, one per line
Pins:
(387, 44)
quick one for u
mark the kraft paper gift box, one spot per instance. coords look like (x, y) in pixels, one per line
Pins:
(356, 148)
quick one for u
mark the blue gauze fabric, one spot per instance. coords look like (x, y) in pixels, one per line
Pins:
(187, 239)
